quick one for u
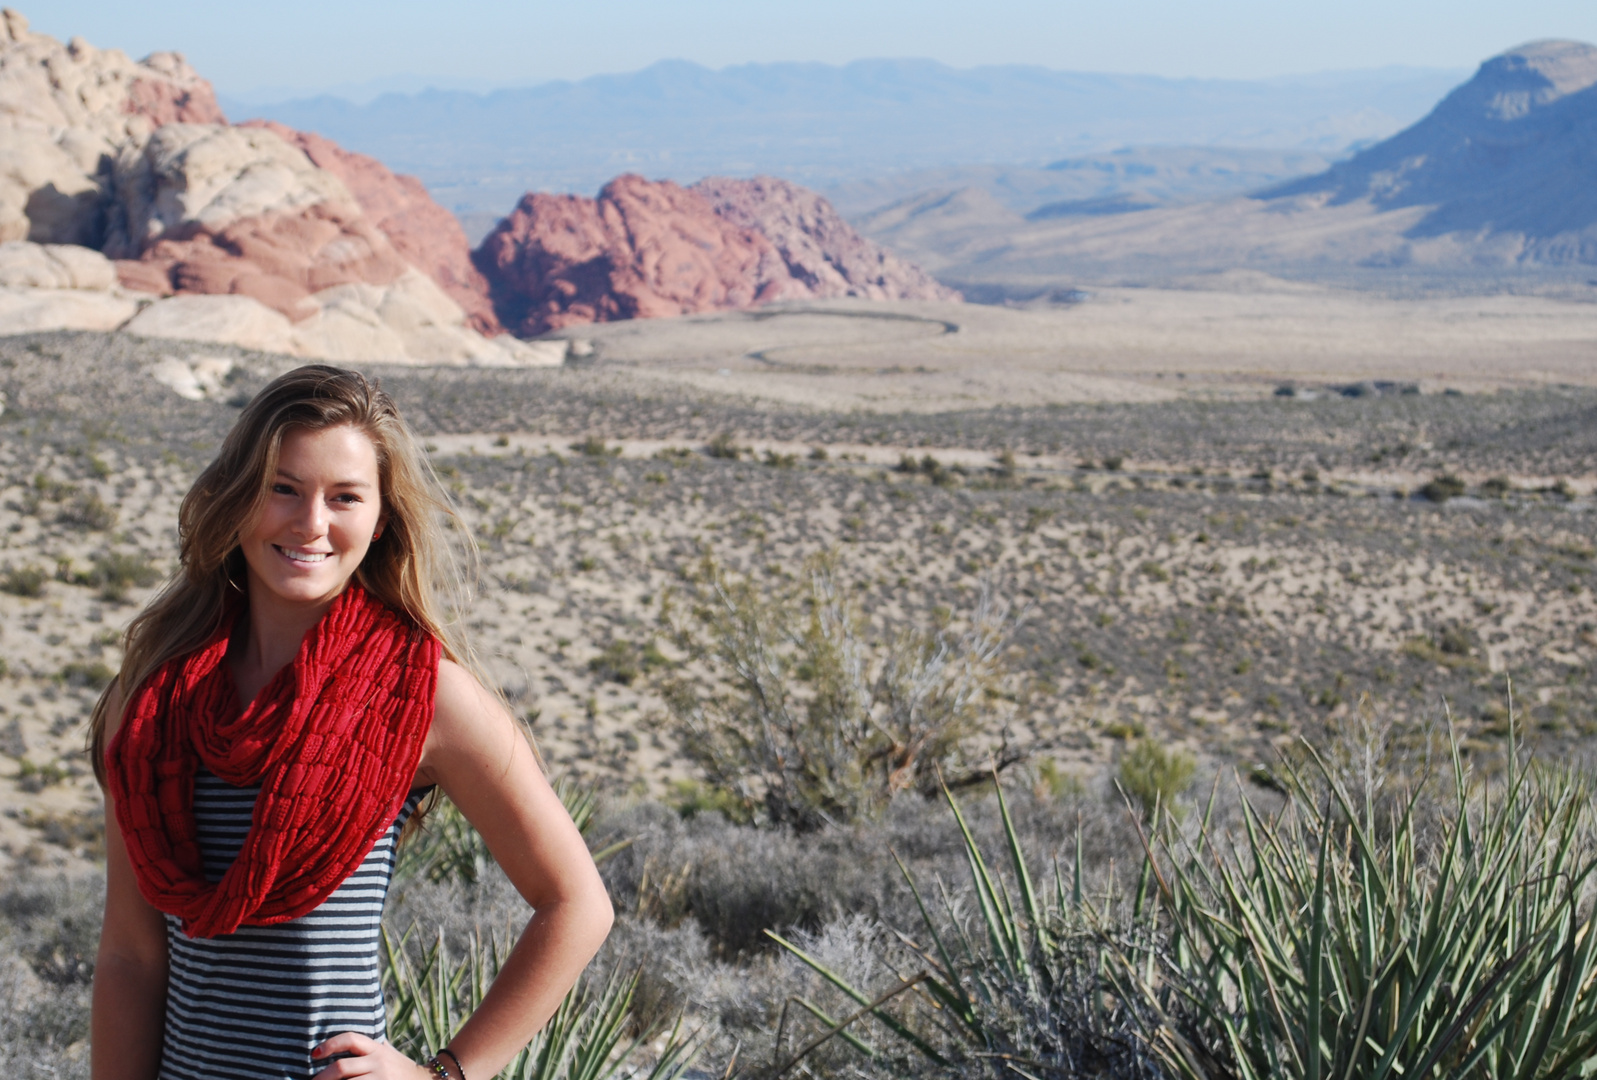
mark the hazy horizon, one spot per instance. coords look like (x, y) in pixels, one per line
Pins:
(407, 83)
(357, 49)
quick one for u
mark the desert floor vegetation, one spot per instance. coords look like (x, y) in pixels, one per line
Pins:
(762, 641)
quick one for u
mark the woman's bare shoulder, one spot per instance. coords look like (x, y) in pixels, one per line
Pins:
(466, 716)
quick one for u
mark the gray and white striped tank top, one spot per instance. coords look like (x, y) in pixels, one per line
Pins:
(251, 1005)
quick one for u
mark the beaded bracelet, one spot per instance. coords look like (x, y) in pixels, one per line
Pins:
(438, 1069)
(461, 1068)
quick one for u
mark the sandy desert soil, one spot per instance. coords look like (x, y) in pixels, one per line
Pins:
(1220, 570)
(1235, 334)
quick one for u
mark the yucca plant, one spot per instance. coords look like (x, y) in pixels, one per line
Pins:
(1337, 941)
(447, 848)
(1025, 986)
(431, 993)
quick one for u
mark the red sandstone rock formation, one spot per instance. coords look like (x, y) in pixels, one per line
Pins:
(278, 259)
(424, 233)
(640, 250)
(165, 102)
(823, 253)
(644, 249)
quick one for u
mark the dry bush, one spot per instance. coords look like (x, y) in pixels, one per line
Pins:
(811, 716)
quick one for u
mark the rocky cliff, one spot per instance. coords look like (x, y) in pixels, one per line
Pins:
(644, 249)
(1509, 155)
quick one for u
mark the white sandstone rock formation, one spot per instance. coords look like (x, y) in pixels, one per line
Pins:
(55, 266)
(411, 321)
(59, 287)
(211, 175)
(64, 109)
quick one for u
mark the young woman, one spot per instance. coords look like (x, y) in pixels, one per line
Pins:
(284, 705)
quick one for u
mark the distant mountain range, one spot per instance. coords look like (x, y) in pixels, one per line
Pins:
(1501, 177)
(826, 126)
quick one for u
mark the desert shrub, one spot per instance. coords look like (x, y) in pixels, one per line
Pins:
(89, 512)
(810, 716)
(27, 581)
(1443, 487)
(93, 674)
(49, 932)
(1154, 777)
(114, 572)
(593, 446)
(618, 662)
(723, 446)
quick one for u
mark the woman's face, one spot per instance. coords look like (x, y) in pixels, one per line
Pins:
(324, 507)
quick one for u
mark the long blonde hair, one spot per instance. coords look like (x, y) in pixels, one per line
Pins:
(412, 567)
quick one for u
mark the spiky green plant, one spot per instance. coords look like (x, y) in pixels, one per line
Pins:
(430, 993)
(1336, 941)
(1025, 987)
(447, 848)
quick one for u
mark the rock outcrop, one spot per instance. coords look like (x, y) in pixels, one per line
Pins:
(645, 249)
(203, 208)
(66, 109)
(423, 233)
(640, 250)
(255, 235)
(823, 253)
(59, 287)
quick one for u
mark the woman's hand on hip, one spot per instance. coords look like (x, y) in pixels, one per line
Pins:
(371, 1058)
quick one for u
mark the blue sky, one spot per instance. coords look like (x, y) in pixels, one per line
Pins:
(297, 46)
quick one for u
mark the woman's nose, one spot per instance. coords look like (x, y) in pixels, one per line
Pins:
(312, 518)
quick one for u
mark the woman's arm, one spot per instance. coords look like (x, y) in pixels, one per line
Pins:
(128, 1016)
(486, 767)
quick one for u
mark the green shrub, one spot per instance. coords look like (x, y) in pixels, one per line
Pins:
(592, 1035)
(722, 446)
(115, 572)
(92, 674)
(593, 446)
(1015, 974)
(25, 581)
(89, 512)
(619, 663)
(1154, 776)
(1443, 487)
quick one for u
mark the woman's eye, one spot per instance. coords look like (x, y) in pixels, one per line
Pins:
(282, 489)
(346, 498)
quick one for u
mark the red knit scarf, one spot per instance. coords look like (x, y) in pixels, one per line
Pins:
(334, 740)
